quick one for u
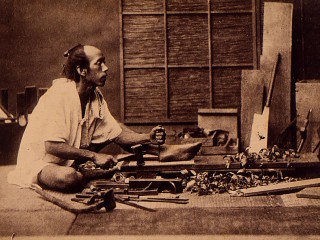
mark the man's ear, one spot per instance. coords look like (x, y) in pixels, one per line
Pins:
(82, 72)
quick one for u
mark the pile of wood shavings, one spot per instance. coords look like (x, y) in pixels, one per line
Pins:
(206, 183)
(275, 154)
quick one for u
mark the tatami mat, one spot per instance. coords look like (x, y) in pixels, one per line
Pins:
(269, 221)
(24, 212)
(35, 223)
(291, 200)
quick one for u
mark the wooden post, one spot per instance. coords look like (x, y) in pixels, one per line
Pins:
(166, 70)
(31, 98)
(21, 106)
(210, 54)
(4, 98)
(122, 83)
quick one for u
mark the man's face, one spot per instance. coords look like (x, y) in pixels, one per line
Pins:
(97, 72)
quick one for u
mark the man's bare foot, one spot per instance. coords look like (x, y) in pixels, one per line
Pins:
(183, 152)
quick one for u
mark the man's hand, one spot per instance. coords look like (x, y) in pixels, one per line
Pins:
(158, 135)
(104, 160)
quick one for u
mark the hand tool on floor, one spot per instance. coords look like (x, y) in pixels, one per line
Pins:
(107, 198)
(88, 200)
(160, 199)
(118, 188)
(106, 202)
(259, 132)
(303, 131)
(123, 201)
(104, 199)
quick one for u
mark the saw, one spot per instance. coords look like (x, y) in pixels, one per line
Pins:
(260, 125)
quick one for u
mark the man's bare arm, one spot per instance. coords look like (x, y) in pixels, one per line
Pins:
(65, 151)
(129, 138)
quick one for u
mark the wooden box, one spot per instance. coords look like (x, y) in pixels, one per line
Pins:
(225, 119)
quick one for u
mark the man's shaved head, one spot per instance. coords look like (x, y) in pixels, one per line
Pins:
(91, 52)
(88, 49)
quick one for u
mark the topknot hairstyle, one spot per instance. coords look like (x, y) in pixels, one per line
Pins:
(75, 57)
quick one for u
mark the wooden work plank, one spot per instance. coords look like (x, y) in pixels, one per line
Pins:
(307, 98)
(280, 187)
(266, 165)
(277, 26)
(218, 164)
(313, 192)
(251, 102)
(156, 166)
(305, 160)
(277, 38)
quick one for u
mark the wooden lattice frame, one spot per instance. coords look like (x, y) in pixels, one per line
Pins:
(254, 12)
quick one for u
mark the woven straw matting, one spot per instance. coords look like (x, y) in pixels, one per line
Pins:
(63, 200)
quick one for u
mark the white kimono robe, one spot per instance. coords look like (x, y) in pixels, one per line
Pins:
(58, 117)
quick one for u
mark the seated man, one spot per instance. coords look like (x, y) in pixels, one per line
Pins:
(71, 123)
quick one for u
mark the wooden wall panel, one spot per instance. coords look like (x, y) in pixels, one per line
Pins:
(187, 39)
(227, 87)
(143, 38)
(142, 5)
(231, 5)
(195, 53)
(187, 5)
(189, 90)
(232, 39)
(145, 91)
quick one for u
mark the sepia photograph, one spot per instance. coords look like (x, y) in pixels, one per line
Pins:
(160, 119)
